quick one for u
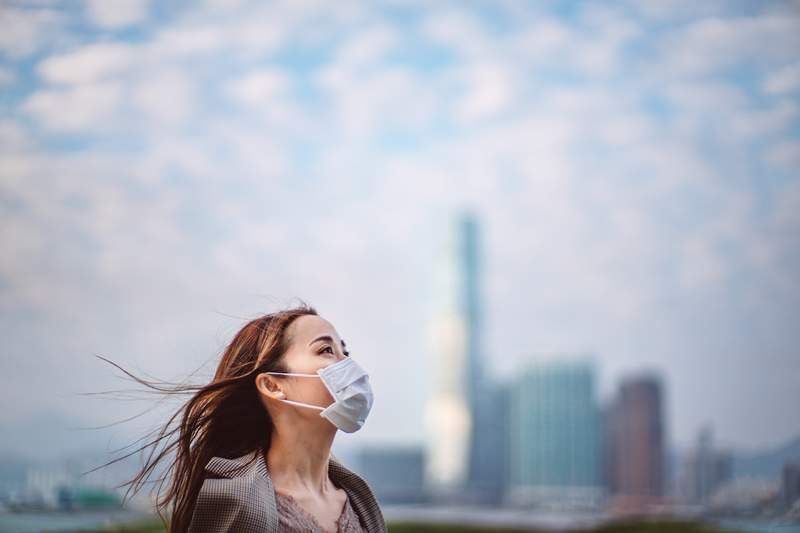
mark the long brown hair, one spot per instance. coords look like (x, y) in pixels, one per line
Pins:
(222, 418)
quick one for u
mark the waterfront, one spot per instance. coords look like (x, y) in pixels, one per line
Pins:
(492, 516)
(751, 526)
(66, 521)
(402, 518)
(551, 520)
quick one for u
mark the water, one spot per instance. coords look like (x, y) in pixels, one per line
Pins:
(554, 521)
(65, 521)
(745, 526)
(487, 517)
(547, 520)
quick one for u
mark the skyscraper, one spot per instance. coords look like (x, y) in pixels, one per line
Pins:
(455, 339)
(790, 486)
(635, 443)
(704, 469)
(555, 435)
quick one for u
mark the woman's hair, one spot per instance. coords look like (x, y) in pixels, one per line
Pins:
(222, 418)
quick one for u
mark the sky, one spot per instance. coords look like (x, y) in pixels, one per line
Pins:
(169, 170)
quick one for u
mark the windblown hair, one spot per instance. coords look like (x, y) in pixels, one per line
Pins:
(222, 418)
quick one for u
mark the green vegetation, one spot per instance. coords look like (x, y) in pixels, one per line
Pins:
(91, 498)
(146, 526)
(663, 526)
(415, 527)
(616, 527)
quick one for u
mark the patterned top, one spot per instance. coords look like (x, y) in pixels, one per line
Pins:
(293, 518)
(237, 496)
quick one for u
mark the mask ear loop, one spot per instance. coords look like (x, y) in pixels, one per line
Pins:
(301, 404)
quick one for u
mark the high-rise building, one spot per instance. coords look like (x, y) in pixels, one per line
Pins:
(635, 442)
(467, 417)
(450, 414)
(489, 458)
(704, 469)
(555, 436)
(790, 486)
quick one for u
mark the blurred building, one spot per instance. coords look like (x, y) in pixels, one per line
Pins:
(57, 485)
(635, 452)
(395, 474)
(704, 469)
(744, 497)
(790, 485)
(555, 437)
(44, 484)
(489, 458)
(458, 395)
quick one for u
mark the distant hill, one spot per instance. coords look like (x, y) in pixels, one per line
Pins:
(767, 464)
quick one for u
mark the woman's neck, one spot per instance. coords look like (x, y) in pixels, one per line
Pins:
(298, 458)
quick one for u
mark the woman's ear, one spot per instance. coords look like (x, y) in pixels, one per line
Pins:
(269, 387)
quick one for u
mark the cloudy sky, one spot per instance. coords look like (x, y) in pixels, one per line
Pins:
(171, 169)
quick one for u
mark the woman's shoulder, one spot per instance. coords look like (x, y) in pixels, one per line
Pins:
(231, 498)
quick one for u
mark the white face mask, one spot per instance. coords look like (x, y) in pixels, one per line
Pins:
(349, 385)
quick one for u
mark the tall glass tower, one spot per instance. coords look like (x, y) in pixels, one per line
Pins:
(455, 328)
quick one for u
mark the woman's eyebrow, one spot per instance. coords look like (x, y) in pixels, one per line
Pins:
(324, 338)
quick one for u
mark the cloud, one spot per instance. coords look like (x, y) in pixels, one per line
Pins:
(544, 39)
(260, 88)
(88, 64)
(785, 154)
(705, 96)
(461, 31)
(27, 30)
(7, 76)
(183, 41)
(167, 96)
(76, 108)
(117, 14)
(490, 89)
(356, 56)
(784, 80)
(763, 123)
(386, 98)
(714, 44)
(367, 47)
(13, 137)
(679, 10)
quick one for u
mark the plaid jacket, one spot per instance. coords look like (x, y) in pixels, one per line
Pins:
(242, 500)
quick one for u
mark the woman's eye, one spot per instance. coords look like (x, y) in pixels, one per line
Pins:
(327, 348)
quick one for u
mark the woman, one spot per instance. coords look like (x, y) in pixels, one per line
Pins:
(253, 448)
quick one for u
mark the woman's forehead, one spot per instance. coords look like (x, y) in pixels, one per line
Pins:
(309, 327)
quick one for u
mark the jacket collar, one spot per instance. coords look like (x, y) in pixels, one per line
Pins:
(229, 468)
(239, 467)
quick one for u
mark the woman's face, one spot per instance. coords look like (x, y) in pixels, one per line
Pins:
(314, 344)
